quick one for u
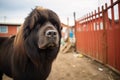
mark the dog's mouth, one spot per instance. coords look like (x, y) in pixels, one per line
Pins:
(52, 45)
(47, 45)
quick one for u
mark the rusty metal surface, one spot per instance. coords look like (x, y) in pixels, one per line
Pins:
(98, 36)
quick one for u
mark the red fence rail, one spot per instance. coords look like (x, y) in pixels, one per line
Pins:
(98, 35)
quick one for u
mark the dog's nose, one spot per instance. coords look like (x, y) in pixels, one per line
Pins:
(51, 33)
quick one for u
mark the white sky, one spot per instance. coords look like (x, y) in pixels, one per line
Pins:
(15, 11)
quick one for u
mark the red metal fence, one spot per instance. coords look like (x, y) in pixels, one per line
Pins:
(98, 35)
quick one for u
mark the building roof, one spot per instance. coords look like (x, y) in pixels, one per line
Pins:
(10, 24)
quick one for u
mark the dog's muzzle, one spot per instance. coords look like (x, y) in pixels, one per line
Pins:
(51, 37)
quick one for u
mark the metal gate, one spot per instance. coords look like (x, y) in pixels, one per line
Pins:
(98, 35)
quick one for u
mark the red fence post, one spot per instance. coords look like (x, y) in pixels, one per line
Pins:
(95, 47)
(99, 32)
(104, 37)
(119, 10)
(106, 25)
(118, 42)
(113, 28)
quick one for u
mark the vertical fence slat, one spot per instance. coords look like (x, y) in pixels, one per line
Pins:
(92, 36)
(106, 25)
(119, 10)
(113, 32)
(117, 40)
(104, 36)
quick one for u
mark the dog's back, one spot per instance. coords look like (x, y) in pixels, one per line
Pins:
(5, 48)
(2, 39)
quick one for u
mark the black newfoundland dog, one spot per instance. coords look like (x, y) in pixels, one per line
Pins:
(29, 54)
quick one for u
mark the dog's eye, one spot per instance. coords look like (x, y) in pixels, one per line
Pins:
(56, 24)
(37, 27)
(42, 20)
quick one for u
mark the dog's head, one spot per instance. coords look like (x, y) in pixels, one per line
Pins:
(43, 27)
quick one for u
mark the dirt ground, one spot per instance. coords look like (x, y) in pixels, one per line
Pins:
(72, 66)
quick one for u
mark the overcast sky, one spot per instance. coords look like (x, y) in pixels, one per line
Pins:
(15, 11)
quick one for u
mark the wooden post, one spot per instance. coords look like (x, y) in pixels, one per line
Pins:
(75, 33)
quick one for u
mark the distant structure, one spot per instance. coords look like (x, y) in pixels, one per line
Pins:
(8, 29)
(68, 38)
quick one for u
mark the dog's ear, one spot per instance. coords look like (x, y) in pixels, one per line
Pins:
(31, 20)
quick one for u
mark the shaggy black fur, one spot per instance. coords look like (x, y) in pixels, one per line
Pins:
(20, 57)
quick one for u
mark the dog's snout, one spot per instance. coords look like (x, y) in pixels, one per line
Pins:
(51, 33)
